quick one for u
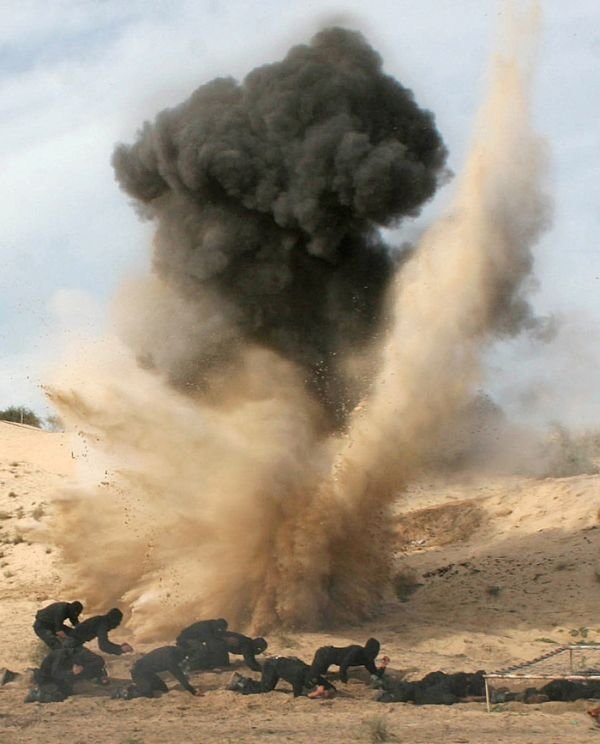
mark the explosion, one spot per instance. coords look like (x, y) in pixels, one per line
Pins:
(283, 372)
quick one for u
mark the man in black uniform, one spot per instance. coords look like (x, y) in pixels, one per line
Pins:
(236, 643)
(145, 671)
(98, 627)
(201, 632)
(289, 668)
(347, 656)
(50, 625)
(54, 679)
(203, 644)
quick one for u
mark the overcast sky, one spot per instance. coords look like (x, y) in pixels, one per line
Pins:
(78, 76)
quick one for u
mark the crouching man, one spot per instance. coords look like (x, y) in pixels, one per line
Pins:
(99, 627)
(145, 671)
(349, 656)
(249, 648)
(49, 623)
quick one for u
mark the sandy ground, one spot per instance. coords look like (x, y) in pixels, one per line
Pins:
(490, 573)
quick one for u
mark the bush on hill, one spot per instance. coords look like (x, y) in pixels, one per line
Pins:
(21, 415)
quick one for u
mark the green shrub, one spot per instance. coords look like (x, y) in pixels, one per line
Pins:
(21, 415)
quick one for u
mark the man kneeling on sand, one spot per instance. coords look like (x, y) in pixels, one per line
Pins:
(145, 671)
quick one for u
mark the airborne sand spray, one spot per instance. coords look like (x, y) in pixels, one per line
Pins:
(466, 284)
(241, 479)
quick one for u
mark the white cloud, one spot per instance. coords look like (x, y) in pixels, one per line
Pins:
(77, 76)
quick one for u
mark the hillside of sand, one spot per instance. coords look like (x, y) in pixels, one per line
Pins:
(489, 573)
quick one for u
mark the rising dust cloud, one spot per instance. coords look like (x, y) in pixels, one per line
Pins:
(282, 374)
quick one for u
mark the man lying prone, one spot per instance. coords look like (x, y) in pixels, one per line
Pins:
(59, 671)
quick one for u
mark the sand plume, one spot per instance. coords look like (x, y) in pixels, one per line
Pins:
(242, 478)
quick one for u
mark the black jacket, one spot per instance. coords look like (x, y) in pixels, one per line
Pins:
(201, 632)
(54, 616)
(346, 656)
(237, 643)
(96, 627)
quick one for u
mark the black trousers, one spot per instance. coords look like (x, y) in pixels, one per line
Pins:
(47, 634)
(147, 683)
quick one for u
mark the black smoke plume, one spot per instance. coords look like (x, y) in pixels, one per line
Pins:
(268, 195)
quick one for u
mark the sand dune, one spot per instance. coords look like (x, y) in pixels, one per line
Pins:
(500, 570)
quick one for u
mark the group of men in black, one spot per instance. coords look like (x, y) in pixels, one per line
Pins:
(68, 658)
(205, 644)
